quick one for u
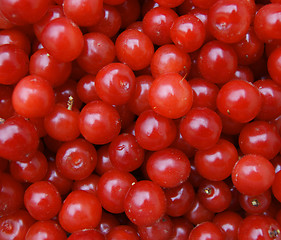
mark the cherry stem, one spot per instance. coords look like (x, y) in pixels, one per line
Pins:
(255, 203)
(273, 233)
(70, 103)
(208, 191)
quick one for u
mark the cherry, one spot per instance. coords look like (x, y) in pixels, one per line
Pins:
(80, 210)
(217, 162)
(98, 51)
(49, 68)
(125, 153)
(99, 122)
(229, 20)
(13, 65)
(19, 139)
(157, 23)
(122, 232)
(88, 184)
(168, 167)
(145, 203)
(132, 45)
(240, 100)
(188, 33)
(48, 229)
(207, 230)
(76, 159)
(86, 234)
(33, 96)
(201, 128)
(83, 12)
(253, 174)
(42, 200)
(110, 22)
(15, 225)
(112, 189)
(170, 95)
(257, 226)
(154, 132)
(62, 39)
(161, 230)
(11, 193)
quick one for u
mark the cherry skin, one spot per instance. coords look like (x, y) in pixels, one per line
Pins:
(19, 139)
(170, 95)
(15, 225)
(49, 68)
(169, 3)
(15, 37)
(125, 153)
(182, 228)
(33, 96)
(229, 20)
(62, 39)
(217, 62)
(62, 123)
(6, 107)
(257, 226)
(157, 23)
(54, 176)
(255, 204)
(217, 162)
(206, 230)
(161, 230)
(99, 122)
(53, 12)
(76, 159)
(271, 104)
(188, 33)
(107, 222)
(179, 199)
(14, 64)
(80, 210)
(154, 132)
(229, 223)
(169, 58)
(86, 234)
(204, 93)
(86, 89)
(198, 213)
(276, 186)
(25, 11)
(201, 128)
(214, 195)
(253, 174)
(134, 49)
(98, 51)
(260, 137)
(11, 193)
(123, 232)
(110, 22)
(249, 49)
(139, 101)
(273, 65)
(83, 12)
(168, 167)
(32, 170)
(115, 83)
(112, 189)
(42, 200)
(145, 203)
(267, 21)
(45, 230)
(239, 100)
(129, 11)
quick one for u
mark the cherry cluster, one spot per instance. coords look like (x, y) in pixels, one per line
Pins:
(140, 119)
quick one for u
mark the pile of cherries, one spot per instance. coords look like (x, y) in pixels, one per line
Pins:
(140, 119)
